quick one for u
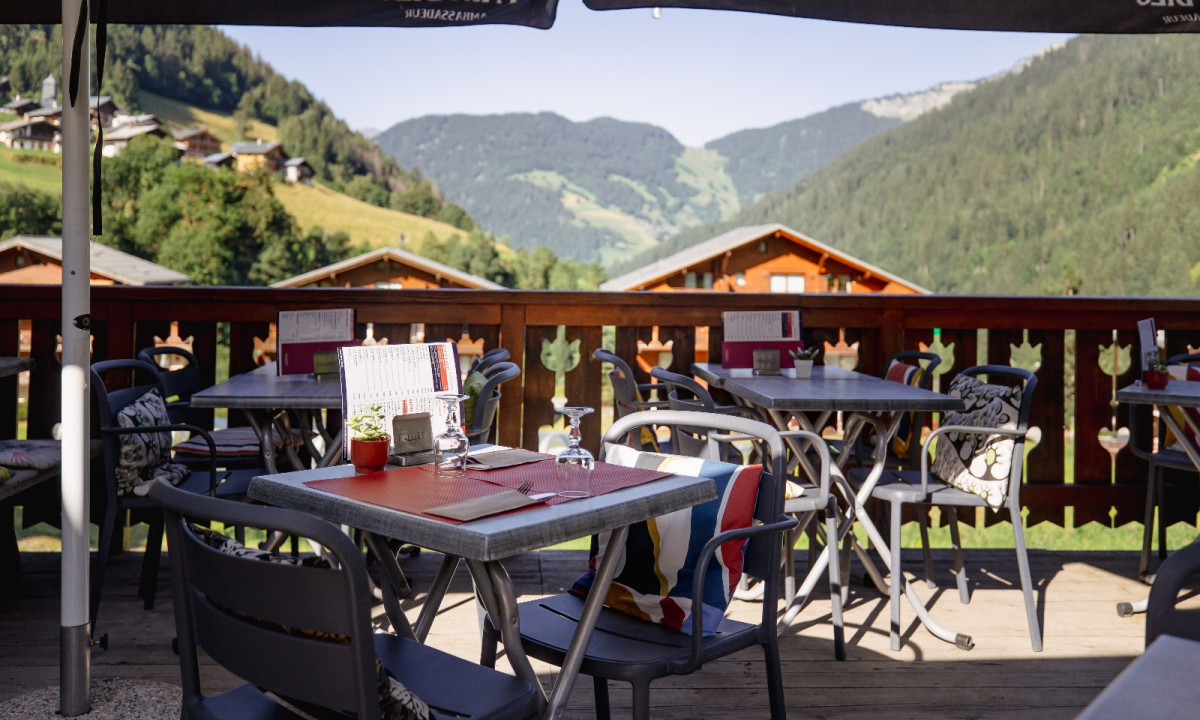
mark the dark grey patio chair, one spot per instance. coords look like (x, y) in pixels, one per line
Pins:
(488, 359)
(482, 427)
(1156, 483)
(106, 406)
(902, 487)
(1162, 615)
(630, 396)
(304, 633)
(629, 649)
(685, 393)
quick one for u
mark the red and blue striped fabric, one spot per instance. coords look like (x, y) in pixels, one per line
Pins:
(656, 567)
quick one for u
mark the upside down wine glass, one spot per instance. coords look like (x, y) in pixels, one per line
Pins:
(573, 466)
(452, 446)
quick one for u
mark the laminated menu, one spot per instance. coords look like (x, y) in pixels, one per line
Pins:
(402, 379)
(301, 334)
(745, 332)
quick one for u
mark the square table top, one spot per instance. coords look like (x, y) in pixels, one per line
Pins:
(262, 389)
(489, 538)
(12, 365)
(1179, 393)
(829, 388)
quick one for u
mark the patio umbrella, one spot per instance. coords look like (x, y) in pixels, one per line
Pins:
(1100, 16)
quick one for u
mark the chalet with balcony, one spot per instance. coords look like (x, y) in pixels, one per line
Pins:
(31, 134)
(37, 260)
(759, 259)
(116, 140)
(389, 268)
(297, 170)
(196, 143)
(259, 155)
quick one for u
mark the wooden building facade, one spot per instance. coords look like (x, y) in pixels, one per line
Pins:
(393, 269)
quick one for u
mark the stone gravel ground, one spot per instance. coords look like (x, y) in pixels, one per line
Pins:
(111, 700)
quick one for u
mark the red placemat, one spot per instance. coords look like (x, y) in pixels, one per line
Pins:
(416, 489)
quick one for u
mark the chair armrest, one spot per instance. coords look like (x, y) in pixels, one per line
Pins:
(1171, 576)
(646, 404)
(783, 524)
(178, 427)
(966, 430)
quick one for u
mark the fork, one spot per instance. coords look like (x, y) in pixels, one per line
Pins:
(525, 487)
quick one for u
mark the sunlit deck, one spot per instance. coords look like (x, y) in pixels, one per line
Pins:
(1086, 643)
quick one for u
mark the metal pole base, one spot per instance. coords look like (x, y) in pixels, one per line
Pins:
(74, 663)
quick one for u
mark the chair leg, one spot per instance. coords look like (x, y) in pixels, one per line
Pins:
(1160, 490)
(600, 689)
(896, 581)
(775, 696)
(1035, 633)
(487, 655)
(923, 524)
(148, 585)
(1148, 521)
(960, 571)
(846, 550)
(101, 562)
(835, 583)
(789, 567)
(641, 700)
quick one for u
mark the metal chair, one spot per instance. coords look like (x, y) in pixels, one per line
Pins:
(482, 427)
(1156, 484)
(630, 396)
(685, 393)
(106, 406)
(631, 650)
(243, 612)
(914, 488)
(488, 359)
(1162, 615)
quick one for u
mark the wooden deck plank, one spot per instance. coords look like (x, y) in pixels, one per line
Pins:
(1087, 644)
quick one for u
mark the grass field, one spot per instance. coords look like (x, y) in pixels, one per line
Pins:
(43, 173)
(181, 115)
(368, 225)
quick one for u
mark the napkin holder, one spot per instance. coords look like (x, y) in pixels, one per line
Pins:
(412, 439)
(766, 361)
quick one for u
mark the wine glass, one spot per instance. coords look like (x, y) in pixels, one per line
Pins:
(573, 466)
(452, 446)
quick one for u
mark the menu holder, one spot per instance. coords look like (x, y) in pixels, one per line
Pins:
(301, 335)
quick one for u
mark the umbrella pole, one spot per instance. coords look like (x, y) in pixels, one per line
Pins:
(75, 636)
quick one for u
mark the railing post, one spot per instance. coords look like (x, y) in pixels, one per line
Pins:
(512, 339)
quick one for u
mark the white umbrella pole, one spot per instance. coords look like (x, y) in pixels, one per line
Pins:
(75, 636)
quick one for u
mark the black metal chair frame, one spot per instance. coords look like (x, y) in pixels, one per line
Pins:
(482, 427)
(1162, 615)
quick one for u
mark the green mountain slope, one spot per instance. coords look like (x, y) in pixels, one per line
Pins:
(1076, 175)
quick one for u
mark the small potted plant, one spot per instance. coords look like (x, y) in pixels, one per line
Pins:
(803, 360)
(369, 444)
(1155, 373)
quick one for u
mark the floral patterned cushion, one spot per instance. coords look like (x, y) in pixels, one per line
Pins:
(979, 464)
(36, 454)
(145, 457)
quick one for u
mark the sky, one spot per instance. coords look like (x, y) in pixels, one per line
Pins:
(699, 74)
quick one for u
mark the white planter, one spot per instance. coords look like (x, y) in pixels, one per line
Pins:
(803, 368)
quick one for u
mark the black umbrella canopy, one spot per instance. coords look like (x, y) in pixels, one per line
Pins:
(1078, 16)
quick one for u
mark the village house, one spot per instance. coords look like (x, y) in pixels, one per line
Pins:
(297, 170)
(255, 155)
(196, 143)
(31, 134)
(763, 258)
(116, 139)
(219, 160)
(389, 268)
(37, 260)
(20, 106)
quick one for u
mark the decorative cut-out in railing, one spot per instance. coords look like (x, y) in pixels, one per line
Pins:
(560, 356)
(655, 353)
(943, 351)
(370, 339)
(1025, 356)
(173, 362)
(264, 350)
(842, 355)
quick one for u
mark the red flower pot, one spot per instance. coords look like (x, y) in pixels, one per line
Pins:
(369, 455)
(1156, 380)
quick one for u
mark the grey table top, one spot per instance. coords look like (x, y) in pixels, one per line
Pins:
(829, 388)
(491, 538)
(1159, 685)
(262, 389)
(12, 365)
(1178, 393)
(24, 478)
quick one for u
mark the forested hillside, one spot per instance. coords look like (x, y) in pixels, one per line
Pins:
(1078, 175)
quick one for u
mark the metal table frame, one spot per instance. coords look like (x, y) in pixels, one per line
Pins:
(785, 399)
(484, 544)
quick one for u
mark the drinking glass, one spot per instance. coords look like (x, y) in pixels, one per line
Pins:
(452, 446)
(573, 466)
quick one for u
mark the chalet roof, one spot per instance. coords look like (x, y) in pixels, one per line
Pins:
(216, 158)
(20, 106)
(189, 133)
(119, 266)
(45, 112)
(295, 162)
(50, 130)
(732, 240)
(401, 256)
(257, 147)
(128, 132)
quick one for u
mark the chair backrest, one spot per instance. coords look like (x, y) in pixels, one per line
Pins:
(624, 383)
(106, 404)
(915, 419)
(762, 554)
(1184, 359)
(909, 356)
(180, 383)
(685, 394)
(302, 633)
(489, 358)
(1027, 381)
(482, 423)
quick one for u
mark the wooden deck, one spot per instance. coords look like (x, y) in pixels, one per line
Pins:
(1086, 643)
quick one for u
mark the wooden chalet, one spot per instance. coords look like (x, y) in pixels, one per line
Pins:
(389, 268)
(196, 143)
(31, 134)
(759, 259)
(297, 170)
(20, 106)
(117, 139)
(256, 155)
(37, 260)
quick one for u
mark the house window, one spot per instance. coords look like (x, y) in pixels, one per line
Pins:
(384, 285)
(740, 279)
(707, 281)
(790, 283)
(689, 280)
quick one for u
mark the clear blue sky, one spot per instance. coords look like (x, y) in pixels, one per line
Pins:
(699, 74)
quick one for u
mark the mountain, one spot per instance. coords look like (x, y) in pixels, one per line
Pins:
(1076, 175)
(607, 189)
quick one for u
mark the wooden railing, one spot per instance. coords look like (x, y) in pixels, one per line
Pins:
(1075, 337)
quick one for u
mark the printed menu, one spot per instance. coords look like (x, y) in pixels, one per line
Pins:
(301, 333)
(761, 325)
(403, 379)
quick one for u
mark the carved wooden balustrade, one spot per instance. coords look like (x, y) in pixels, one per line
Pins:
(1079, 346)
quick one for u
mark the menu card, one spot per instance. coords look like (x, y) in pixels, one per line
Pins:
(402, 379)
(1148, 339)
(300, 334)
(761, 325)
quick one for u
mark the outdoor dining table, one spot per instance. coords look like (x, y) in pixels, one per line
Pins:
(10, 366)
(868, 399)
(484, 544)
(1177, 394)
(266, 399)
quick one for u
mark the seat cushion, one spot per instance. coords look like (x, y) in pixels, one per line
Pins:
(978, 463)
(1189, 373)
(145, 457)
(910, 375)
(35, 454)
(656, 566)
(231, 442)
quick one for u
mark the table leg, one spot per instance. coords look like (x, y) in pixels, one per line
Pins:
(265, 441)
(394, 586)
(433, 601)
(500, 601)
